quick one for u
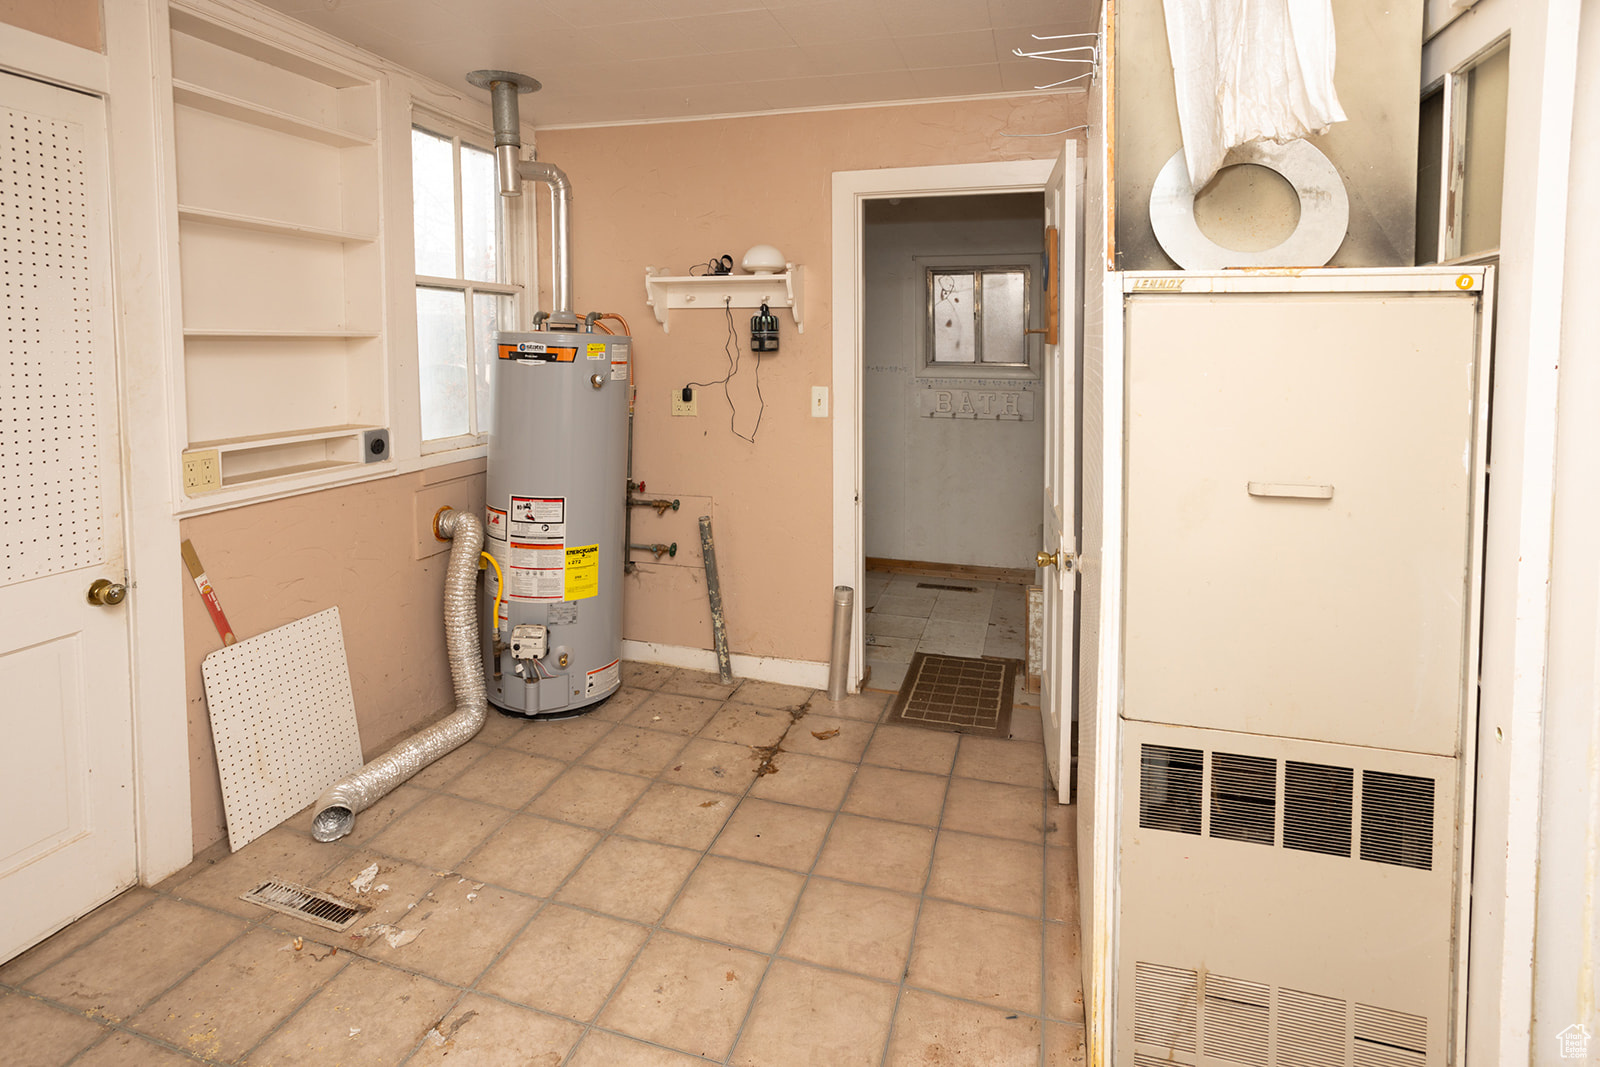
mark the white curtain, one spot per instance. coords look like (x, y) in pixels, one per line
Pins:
(1250, 70)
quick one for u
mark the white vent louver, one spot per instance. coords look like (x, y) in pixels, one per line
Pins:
(1397, 819)
(1316, 807)
(1235, 1021)
(1385, 1038)
(1310, 1030)
(1169, 788)
(1244, 797)
(1319, 804)
(1179, 1011)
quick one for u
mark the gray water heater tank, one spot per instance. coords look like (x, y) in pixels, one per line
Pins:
(554, 504)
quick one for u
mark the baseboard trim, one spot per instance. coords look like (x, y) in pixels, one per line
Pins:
(809, 673)
(971, 572)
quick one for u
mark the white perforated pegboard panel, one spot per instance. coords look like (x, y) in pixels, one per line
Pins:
(50, 478)
(283, 720)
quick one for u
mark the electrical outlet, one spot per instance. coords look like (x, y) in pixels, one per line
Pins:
(202, 471)
(819, 401)
(680, 406)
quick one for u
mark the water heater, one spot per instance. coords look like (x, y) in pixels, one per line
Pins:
(554, 504)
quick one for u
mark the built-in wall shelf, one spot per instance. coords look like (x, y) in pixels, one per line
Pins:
(265, 225)
(258, 440)
(280, 192)
(259, 457)
(714, 292)
(275, 335)
(233, 107)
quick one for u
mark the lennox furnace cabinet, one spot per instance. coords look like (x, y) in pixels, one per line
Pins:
(1301, 489)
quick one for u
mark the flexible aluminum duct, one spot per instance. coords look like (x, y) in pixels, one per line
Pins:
(336, 811)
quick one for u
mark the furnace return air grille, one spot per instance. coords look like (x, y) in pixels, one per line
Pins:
(1319, 804)
(1397, 819)
(1310, 1030)
(1169, 788)
(1178, 1010)
(1385, 1038)
(1316, 808)
(1244, 797)
(1165, 1006)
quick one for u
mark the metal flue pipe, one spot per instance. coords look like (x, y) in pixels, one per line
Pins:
(336, 811)
(844, 599)
(504, 86)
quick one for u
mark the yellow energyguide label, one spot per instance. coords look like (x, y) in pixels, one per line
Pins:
(597, 351)
(583, 572)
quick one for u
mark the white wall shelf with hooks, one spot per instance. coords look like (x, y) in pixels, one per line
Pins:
(664, 292)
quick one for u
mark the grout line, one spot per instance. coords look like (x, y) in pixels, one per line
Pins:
(656, 927)
(916, 921)
(810, 874)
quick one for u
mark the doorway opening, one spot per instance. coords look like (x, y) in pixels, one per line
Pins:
(953, 435)
(853, 193)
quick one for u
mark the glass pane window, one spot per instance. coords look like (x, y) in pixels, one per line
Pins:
(480, 216)
(434, 199)
(978, 316)
(442, 360)
(1004, 316)
(954, 317)
(464, 288)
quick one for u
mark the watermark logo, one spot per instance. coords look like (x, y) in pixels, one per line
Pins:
(1574, 1042)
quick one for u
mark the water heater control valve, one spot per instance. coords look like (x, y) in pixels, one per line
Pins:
(529, 642)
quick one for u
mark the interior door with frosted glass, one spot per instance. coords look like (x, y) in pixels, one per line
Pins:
(66, 764)
(1060, 519)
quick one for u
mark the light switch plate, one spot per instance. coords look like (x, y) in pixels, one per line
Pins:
(680, 406)
(819, 401)
(202, 471)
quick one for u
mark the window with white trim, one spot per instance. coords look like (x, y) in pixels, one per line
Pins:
(465, 283)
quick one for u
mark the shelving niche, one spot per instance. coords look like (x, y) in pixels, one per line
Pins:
(280, 255)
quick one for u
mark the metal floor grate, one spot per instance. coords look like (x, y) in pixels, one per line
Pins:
(971, 696)
(303, 903)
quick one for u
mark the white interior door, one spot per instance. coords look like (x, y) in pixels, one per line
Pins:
(1060, 465)
(66, 765)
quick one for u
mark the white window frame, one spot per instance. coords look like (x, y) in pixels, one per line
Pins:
(1453, 88)
(510, 255)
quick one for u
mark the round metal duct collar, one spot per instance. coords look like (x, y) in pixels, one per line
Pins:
(1324, 210)
(485, 79)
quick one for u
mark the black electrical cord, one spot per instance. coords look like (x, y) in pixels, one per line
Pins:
(731, 348)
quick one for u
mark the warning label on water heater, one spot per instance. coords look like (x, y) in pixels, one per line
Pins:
(537, 571)
(603, 678)
(539, 518)
(583, 572)
(619, 361)
(494, 523)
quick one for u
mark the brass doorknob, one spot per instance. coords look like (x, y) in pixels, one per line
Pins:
(1046, 559)
(107, 593)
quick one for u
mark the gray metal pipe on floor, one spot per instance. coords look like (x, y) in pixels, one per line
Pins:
(844, 599)
(719, 630)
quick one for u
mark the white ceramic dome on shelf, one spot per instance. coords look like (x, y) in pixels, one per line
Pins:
(763, 259)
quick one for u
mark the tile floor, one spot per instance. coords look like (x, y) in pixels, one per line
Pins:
(616, 889)
(904, 616)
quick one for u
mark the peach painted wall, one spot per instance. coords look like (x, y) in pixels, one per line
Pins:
(73, 21)
(367, 550)
(676, 194)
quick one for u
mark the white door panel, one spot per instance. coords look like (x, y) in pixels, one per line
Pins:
(66, 781)
(1060, 520)
(1299, 512)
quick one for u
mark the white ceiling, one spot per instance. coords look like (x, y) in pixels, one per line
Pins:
(627, 60)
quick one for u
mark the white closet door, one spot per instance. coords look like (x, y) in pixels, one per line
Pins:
(66, 764)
